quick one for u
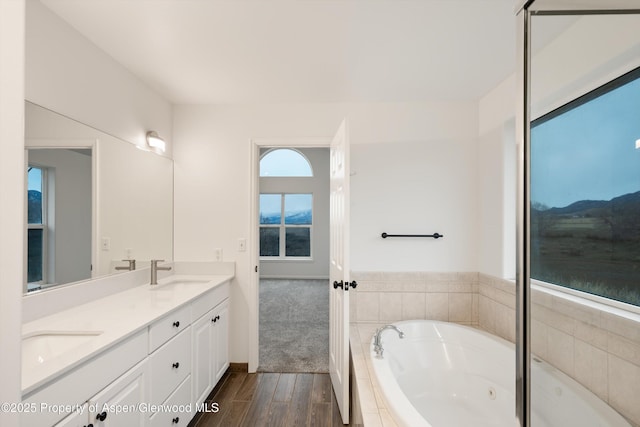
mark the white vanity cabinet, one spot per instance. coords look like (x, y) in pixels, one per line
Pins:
(210, 341)
(203, 364)
(77, 419)
(155, 377)
(181, 410)
(170, 325)
(220, 340)
(79, 385)
(117, 405)
(170, 376)
(120, 403)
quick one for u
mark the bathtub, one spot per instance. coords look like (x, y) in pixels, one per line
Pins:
(447, 375)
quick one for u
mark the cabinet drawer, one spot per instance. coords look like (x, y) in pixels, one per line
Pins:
(169, 366)
(209, 300)
(169, 326)
(176, 410)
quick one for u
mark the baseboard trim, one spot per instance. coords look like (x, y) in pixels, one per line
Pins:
(238, 367)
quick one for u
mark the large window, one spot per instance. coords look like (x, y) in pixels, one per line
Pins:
(286, 221)
(36, 225)
(585, 193)
(286, 218)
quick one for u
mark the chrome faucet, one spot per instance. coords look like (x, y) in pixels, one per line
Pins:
(154, 270)
(377, 344)
(130, 267)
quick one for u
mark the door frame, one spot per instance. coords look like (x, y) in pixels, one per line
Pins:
(253, 246)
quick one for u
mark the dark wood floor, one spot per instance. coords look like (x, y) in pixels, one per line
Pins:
(272, 399)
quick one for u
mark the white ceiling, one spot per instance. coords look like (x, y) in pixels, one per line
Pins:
(259, 51)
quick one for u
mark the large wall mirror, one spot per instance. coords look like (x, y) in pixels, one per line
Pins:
(93, 201)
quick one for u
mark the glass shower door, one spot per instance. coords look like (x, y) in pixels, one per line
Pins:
(579, 214)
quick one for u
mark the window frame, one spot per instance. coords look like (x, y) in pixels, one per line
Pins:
(43, 225)
(595, 93)
(282, 226)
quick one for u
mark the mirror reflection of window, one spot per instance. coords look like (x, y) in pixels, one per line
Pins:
(36, 219)
(59, 216)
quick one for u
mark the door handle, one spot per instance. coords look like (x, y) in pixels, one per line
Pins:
(344, 285)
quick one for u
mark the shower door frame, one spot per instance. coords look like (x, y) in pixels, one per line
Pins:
(525, 10)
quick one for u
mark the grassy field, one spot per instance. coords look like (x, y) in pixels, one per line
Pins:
(589, 253)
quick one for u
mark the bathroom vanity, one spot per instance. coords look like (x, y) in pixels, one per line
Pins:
(145, 356)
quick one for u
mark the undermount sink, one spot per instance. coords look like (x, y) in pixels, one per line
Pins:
(176, 284)
(41, 346)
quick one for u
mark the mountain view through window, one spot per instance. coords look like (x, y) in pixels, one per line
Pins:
(585, 193)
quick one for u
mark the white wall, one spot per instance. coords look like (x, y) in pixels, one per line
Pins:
(11, 200)
(212, 155)
(593, 51)
(70, 201)
(318, 187)
(135, 205)
(67, 73)
(414, 188)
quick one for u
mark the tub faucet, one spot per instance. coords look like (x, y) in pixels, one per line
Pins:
(154, 270)
(377, 344)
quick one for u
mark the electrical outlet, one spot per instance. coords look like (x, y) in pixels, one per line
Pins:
(218, 254)
(242, 245)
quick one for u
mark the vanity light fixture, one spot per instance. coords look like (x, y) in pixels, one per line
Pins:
(637, 143)
(154, 141)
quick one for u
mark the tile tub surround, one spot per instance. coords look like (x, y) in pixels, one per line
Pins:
(372, 407)
(388, 297)
(596, 345)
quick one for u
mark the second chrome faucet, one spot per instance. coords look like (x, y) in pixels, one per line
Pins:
(154, 270)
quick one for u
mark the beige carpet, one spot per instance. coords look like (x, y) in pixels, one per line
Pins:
(294, 326)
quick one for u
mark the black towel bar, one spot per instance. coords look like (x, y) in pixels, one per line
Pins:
(434, 235)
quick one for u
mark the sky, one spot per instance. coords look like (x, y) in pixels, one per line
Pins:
(34, 179)
(588, 153)
(284, 162)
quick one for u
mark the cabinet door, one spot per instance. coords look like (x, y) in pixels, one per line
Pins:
(202, 362)
(122, 402)
(221, 340)
(76, 419)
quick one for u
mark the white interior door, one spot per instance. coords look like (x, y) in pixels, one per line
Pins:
(339, 270)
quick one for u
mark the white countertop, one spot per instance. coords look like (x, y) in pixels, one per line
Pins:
(116, 316)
